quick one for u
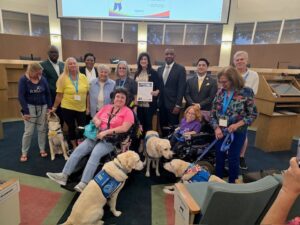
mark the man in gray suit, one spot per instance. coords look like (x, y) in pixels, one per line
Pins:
(201, 89)
(52, 69)
(173, 80)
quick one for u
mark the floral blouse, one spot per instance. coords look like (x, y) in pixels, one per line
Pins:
(241, 107)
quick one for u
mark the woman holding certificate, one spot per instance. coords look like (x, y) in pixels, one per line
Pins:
(148, 90)
(232, 112)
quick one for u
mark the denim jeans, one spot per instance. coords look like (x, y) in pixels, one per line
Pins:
(38, 119)
(98, 149)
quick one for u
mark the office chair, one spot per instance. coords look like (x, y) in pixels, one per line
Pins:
(234, 204)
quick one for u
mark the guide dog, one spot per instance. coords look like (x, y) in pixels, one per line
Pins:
(57, 143)
(88, 209)
(188, 172)
(155, 148)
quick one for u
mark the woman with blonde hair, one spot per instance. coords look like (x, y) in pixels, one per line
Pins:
(72, 93)
(35, 100)
(190, 124)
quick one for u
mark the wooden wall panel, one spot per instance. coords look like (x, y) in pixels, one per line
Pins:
(271, 56)
(13, 46)
(103, 51)
(187, 54)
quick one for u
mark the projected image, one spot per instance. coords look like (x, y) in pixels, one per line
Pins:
(215, 11)
(141, 9)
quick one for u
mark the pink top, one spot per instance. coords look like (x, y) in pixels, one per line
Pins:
(124, 115)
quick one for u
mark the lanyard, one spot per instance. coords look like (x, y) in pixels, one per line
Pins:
(111, 116)
(124, 81)
(246, 76)
(75, 83)
(226, 101)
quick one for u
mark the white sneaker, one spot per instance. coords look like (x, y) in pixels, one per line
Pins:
(80, 187)
(59, 178)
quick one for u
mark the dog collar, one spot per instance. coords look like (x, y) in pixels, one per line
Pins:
(106, 183)
(119, 165)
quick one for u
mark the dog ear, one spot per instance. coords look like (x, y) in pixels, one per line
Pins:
(127, 159)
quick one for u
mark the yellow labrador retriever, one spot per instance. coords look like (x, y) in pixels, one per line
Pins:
(88, 209)
(188, 173)
(57, 143)
(155, 149)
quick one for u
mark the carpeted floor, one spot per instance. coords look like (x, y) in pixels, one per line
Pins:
(141, 200)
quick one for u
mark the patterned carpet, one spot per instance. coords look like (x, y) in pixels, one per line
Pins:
(41, 201)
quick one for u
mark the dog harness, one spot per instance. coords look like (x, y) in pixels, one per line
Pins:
(201, 174)
(52, 133)
(107, 184)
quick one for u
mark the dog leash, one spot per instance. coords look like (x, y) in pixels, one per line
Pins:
(225, 145)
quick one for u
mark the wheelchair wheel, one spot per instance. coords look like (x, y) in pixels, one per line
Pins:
(206, 165)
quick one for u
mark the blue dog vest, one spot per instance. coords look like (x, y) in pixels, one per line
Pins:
(107, 184)
(201, 176)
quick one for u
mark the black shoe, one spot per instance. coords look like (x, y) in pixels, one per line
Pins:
(243, 164)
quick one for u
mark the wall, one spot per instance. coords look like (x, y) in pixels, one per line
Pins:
(271, 56)
(264, 10)
(13, 46)
(39, 7)
(186, 54)
(103, 51)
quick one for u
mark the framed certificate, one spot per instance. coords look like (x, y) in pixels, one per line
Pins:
(144, 91)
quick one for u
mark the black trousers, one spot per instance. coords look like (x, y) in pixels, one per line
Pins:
(71, 117)
(145, 115)
(167, 118)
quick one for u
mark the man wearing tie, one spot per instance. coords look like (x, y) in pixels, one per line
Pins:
(201, 89)
(173, 79)
(52, 68)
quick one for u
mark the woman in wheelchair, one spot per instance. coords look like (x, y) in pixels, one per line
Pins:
(190, 124)
(111, 119)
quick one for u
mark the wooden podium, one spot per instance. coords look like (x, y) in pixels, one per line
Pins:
(278, 103)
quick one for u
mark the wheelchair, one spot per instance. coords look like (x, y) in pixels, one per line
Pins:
(120, 142)
(191, 147)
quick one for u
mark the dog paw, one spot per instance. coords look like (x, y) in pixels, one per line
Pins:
(147, 174)
(66, 157)
(117, 213)
(52, 158)
(158, 174)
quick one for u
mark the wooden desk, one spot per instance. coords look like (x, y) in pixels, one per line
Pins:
(185, 206)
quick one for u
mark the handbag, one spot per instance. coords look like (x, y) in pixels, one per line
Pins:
(90, 131)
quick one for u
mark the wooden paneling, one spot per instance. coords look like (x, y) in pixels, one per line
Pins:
(186, 54)
(13, 46)
(271, 55)
(103, 51)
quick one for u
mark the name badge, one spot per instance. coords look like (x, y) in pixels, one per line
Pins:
(223, 122)
(77, 97)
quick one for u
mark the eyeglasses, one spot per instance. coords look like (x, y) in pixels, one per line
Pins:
(122, 68)
(193, 114)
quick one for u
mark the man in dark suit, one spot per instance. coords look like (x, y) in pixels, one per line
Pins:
(201, 89)
(52, 69)
(173, 80)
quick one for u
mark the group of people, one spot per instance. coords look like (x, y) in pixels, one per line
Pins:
(81, 94)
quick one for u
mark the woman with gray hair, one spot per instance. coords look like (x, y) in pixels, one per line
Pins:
(100, 89)
(35, 100)
(124, 81)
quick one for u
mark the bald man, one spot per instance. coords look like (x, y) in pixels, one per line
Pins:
(173, 80)
(52, 69)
